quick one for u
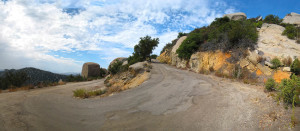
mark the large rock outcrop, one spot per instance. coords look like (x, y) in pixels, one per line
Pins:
(175, 60)
(254, 65)
(273, 44)
(236, 16)
(90, 69)
(292, 18)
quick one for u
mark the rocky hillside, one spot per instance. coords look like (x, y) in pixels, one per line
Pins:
(37, 75)
(251, 64)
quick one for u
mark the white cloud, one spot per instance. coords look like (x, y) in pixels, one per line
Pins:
(30, 29)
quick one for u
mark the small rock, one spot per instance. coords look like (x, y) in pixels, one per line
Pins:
(261, 53)
(259, 18)
(125, 63)
(286, 69)
(268, 64)
(268, 59)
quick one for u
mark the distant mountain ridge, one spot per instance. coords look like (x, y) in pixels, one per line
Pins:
(37, 75)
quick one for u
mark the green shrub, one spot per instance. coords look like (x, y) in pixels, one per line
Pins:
(189, 45)
(272, 19)
(295, 66)
(291, 31)
(95, 93)
(270, 84)
(103, 72)
(276, 63)
(82, 93)
(180, 34)
(259, 24)
(115, 67)
(222, 34)
(76, 78)
(290, 90)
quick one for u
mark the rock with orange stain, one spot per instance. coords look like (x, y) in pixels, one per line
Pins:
(208, 60)
(280, 75)
(165, 57)
(258, 72)
(136, 81)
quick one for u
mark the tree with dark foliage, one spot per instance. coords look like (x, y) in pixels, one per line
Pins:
(143, 50)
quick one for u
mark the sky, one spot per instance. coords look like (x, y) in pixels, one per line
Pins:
(61, 35)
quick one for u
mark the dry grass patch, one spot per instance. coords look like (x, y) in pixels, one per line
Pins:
(287, 61)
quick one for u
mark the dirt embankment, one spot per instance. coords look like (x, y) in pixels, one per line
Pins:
(133, 77)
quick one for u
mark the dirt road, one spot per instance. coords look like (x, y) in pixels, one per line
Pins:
(171, 99)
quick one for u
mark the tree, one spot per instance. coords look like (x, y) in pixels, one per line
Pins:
(272, 19)
(180, 34)
(13, 78)
(143, 50)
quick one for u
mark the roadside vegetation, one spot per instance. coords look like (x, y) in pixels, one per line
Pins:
(82, 93)
(13, 80)
(142, 52)
(289, 89)
(228, 35)
(121, 78)
(222, 34)
(275, 63)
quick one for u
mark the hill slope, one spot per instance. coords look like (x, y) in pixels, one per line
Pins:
(36, 75)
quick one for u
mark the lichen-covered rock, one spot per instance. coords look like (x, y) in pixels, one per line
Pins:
(90, 69)
(292, 18)
(236, 16)
(280, 75)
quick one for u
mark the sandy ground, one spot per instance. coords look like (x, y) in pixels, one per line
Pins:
(171, 99)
